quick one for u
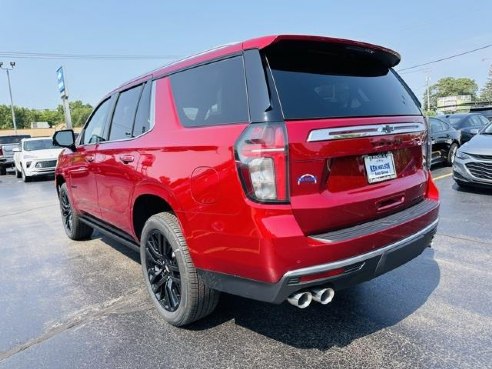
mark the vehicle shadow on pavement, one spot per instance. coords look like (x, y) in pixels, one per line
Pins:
(132, 254)
(354, 313)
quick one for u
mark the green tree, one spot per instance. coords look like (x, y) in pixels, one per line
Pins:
(25, 116)
(450, 86)
(486, 93)
(5, 117)
(79, 112)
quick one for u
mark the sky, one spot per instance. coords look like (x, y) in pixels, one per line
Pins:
(420, 30)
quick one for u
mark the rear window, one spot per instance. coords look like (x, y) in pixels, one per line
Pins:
(317, 80)
(211, 94)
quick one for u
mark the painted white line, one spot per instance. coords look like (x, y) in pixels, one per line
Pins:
(443, 176)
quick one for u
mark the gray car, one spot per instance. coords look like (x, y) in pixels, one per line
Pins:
(473, 161)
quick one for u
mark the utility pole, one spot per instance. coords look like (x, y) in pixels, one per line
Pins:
(7, 69)
(428, 93)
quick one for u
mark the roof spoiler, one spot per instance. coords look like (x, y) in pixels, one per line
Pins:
(386, 56)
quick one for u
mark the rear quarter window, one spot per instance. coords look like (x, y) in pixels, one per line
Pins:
(211, 94)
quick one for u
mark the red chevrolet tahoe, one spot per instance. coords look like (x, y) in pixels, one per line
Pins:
(282, 168)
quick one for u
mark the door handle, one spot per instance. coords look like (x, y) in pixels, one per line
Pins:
(89, 158)
(127, 158)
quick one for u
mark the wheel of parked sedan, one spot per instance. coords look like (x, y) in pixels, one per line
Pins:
(452, 153)
(179, 294)
(3, 171)
(24, 177)
(74, 228)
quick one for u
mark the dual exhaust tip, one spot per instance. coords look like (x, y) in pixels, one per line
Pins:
(303, 299)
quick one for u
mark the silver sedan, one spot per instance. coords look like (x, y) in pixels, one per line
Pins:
(473, 161)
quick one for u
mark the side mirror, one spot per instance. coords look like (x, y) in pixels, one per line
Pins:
(474, 131)
(16, 149)
(64, 138)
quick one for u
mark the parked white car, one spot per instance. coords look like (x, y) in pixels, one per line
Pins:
(35, 157)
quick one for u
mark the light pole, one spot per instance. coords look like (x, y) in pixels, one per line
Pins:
(7, 69)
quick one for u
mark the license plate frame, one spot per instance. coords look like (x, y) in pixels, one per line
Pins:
(380, 167)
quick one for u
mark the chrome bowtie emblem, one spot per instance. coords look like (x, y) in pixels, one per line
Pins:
(307, 178)
(387, 128)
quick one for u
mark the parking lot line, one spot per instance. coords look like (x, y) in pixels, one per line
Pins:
(443, 176)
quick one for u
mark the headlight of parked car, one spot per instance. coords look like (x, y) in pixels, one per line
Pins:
(461, 155)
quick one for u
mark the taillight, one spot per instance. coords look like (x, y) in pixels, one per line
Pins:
(261, 158)
(1, 151)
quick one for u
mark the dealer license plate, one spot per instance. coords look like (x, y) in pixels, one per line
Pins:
(380, 167)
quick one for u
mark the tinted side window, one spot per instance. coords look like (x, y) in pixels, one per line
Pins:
(211, 94)
(476, 122)
(484, 120)
(436, 125)
(94, 130)
(142, 119)
(467, 122)
(124, 114)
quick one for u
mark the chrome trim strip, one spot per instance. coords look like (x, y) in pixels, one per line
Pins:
(359, 258)
(338, 133)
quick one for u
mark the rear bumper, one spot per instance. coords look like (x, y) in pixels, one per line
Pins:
(348, 272)
(7, 162)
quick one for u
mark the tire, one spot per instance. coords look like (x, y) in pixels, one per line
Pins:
(452, 154)
(17, 173)
(3, 171)
(74, 228)
(178, 293)
(24, 177)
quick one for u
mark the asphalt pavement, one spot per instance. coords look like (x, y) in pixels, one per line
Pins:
(67, 304)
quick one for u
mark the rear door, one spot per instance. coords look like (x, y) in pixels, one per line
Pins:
(356, 135)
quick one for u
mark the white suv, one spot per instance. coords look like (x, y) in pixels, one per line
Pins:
(35, 157)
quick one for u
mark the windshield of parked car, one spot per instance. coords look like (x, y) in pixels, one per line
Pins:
(325, 80)
(38, 145)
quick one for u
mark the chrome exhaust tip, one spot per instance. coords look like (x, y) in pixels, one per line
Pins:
(323, 295)
(300, 299)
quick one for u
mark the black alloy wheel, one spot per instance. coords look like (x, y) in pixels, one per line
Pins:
(174, 286)
(66, 211)
(163, 271)
(74, 228)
